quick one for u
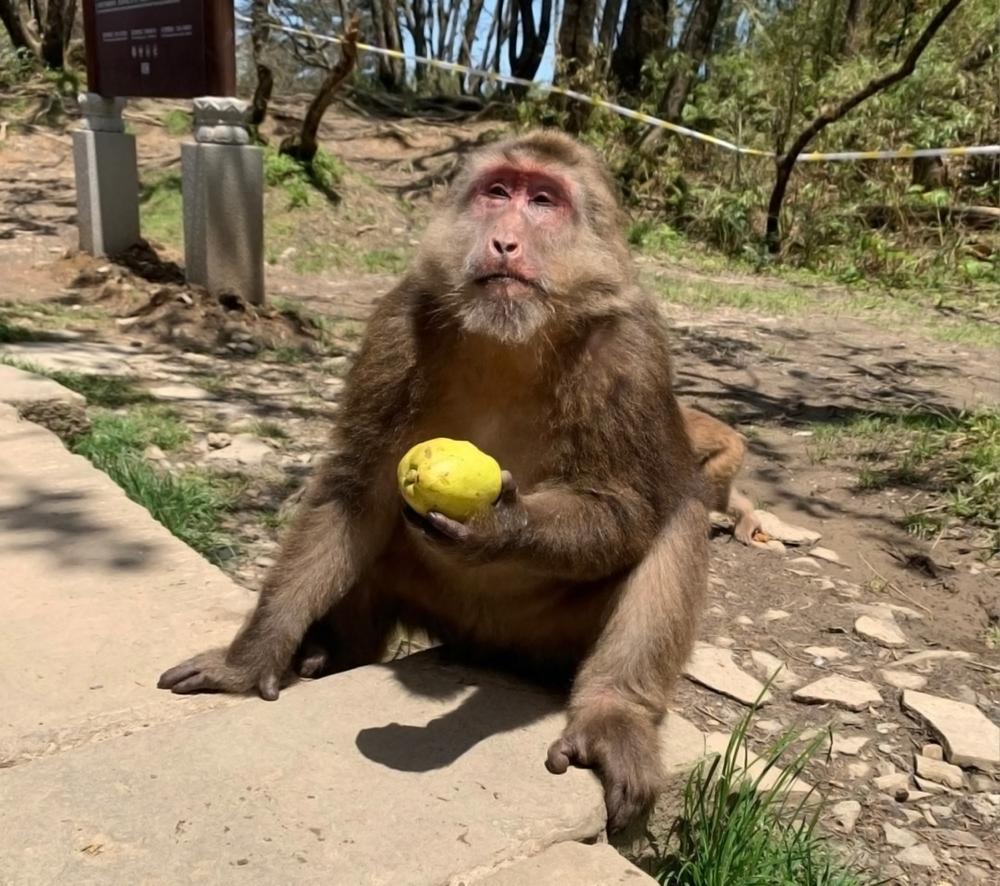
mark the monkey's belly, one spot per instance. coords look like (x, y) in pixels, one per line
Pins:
(501, 607)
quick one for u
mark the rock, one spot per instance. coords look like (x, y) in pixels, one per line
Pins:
(805, 563)
(568, 863)
(858, 770)
(932, 655)
(768, 727)
(776, 615)
(939, 771)
(846, 813)
(724, 642)
(830, 653)
(931, 787)
(154, 453)
(744, 620)
(953, 837)
(849, 745)
(903, 680)
(758, 770)
(786, 532)
(943, 812)
(885, 633)
(983, 784)
(919, 856)
(245, 449)
(844, 692)
(932, 752)
(897, 836)
(716, 669)
(768, 665)
(218, 440)
(825, 554)
(181, 392)
(897, 781)
(969, 738)
(913, 796)
(44, 402)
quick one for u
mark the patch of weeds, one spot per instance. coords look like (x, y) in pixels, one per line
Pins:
(269, 429)
(387, 261)
(301, 180)
(214, 384)
(10, 333)
(189, 505)
(956, 457)
(178, 122)
(274, 519)
(742, 824)
(160, 208)
(110, 391)
(285, 354)
(992, 637)
(655, 238)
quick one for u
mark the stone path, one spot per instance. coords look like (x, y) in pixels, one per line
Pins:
(409, 772)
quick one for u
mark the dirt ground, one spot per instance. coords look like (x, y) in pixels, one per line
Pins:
(774, 377)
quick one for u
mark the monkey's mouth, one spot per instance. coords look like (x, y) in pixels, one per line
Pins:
(507, 283)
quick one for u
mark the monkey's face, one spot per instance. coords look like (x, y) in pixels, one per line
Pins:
(517, 248)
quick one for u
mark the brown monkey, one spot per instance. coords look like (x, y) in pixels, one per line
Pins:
(519, 327)
(720, 450)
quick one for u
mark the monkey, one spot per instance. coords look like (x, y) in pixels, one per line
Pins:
(519, 326)
(720, 450)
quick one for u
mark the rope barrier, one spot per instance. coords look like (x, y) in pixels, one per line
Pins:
(546, 89)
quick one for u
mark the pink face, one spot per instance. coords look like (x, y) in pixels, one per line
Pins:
(519, 211)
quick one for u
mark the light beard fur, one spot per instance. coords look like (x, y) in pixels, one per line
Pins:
(508, 320)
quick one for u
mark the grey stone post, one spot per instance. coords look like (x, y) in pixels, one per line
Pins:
(107, 184)
(223, 191)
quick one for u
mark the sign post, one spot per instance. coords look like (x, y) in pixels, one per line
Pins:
(172, 49)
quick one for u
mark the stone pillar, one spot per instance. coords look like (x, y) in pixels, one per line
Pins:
(107, 184)
(223, 190)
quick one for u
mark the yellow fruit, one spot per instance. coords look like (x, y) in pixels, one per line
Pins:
(451, 477)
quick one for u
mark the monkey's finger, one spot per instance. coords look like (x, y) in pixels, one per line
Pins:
(618, 807)
(508, 488)
(178, 673)
(199, 682)
(269, 687)
(560, 756)
(446, 526)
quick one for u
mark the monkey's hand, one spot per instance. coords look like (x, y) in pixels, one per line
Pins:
(623, 752)
(488, 533)
(212, 672)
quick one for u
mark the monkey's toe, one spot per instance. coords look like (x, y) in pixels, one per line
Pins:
(177, 675)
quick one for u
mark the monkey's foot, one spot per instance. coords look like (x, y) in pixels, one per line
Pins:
(746, 528)
(618, 749)
(210, 672)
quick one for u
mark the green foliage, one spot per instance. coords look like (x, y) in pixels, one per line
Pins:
(743, 825)
(161, 208)
(178, 122)
(12, 332)
(99, 390)
(389, 261)
(190, 504)
(17, 66)
(301, 180)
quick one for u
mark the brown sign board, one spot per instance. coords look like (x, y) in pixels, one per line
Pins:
(160, 48)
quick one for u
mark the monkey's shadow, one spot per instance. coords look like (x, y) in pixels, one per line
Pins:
(498, 703)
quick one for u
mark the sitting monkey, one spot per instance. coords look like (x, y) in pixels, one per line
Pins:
(520, 326)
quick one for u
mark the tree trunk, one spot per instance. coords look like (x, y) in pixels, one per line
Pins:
(469, 32)
(534, 37)
(694, 47)
(391, 72)
(304, 146)
(54, 32)
(20, 36)
(576, 30)
(260, 33)
(609, 26)
(855, 25)
(647, 28)
(787, 163)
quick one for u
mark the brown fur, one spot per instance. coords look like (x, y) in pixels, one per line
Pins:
(595, 567)
(720, 450)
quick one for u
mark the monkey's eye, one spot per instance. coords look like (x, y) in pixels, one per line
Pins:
(543, 199)
(498, 191)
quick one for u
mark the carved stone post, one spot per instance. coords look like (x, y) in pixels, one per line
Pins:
(107, 184)
(223, 191)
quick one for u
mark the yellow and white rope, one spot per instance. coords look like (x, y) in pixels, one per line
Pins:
(621, 110)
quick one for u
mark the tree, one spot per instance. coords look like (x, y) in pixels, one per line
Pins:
(576, 32)
(647, 28)
(259, 35)
(41, 28)
(831, 114)
(693, 49)
(534, 37)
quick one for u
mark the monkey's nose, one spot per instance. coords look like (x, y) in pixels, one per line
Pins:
(505, 247)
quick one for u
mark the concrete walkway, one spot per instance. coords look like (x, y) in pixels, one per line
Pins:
(409, 773)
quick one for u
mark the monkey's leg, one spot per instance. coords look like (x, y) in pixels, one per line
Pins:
(620, 693)
(326, 553)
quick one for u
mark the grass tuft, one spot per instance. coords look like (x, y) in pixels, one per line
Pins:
(741, 824)
(110, 391)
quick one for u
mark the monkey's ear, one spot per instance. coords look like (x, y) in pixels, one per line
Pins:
(508, 489)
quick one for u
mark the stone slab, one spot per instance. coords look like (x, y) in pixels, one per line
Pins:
(715, 669)
(107, 191)
(96, 598)
(969, 737)
(582, 865)
(844, 692)
(93, 358)
(407, 772)
(18, 386)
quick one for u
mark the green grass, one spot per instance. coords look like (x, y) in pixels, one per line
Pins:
(269, 429)
(388, 261)
(992, 637)
(10, 333)
(190, 504)
(954, 456)
(99, 390)
(736, 829)
(178, 122)
(160, 209)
